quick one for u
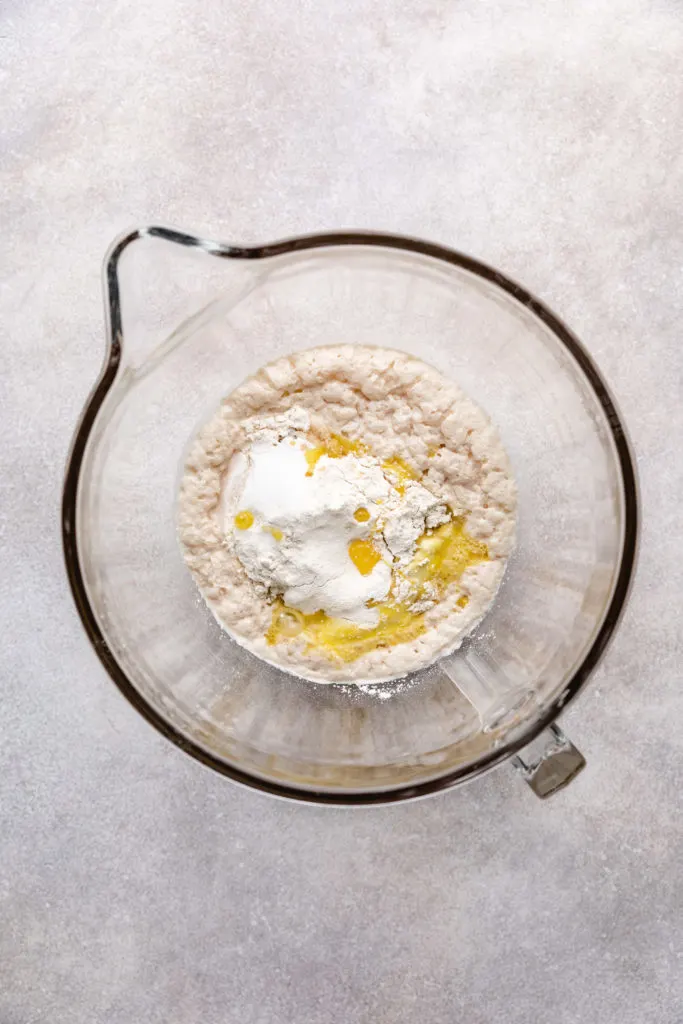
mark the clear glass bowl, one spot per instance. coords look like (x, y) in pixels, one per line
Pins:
(188, 320)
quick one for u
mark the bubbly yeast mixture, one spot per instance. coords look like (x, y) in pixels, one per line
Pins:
(347, 514)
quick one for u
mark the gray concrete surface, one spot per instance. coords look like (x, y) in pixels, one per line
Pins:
(544, 137)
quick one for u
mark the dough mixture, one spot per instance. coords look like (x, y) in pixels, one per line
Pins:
(347, 514)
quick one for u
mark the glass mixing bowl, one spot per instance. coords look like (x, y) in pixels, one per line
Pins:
(189, 319)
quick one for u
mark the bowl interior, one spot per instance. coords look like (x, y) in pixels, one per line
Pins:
(249, 717)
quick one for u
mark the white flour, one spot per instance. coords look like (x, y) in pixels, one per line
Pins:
(298, 544)
(302, 520)
(419, 457)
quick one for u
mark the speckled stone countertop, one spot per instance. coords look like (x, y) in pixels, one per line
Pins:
(137, 886)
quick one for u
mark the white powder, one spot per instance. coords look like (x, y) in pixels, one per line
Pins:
(309, 565)
(407, 516)
(304, 520)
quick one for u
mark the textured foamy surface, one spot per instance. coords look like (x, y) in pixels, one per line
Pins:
(397, 406)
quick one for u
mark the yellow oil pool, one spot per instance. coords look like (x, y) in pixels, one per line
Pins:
(244, 519)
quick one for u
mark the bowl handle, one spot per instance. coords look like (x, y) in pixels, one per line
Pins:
(549, 762)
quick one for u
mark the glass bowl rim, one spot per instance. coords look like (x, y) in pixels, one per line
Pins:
(372, 239)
